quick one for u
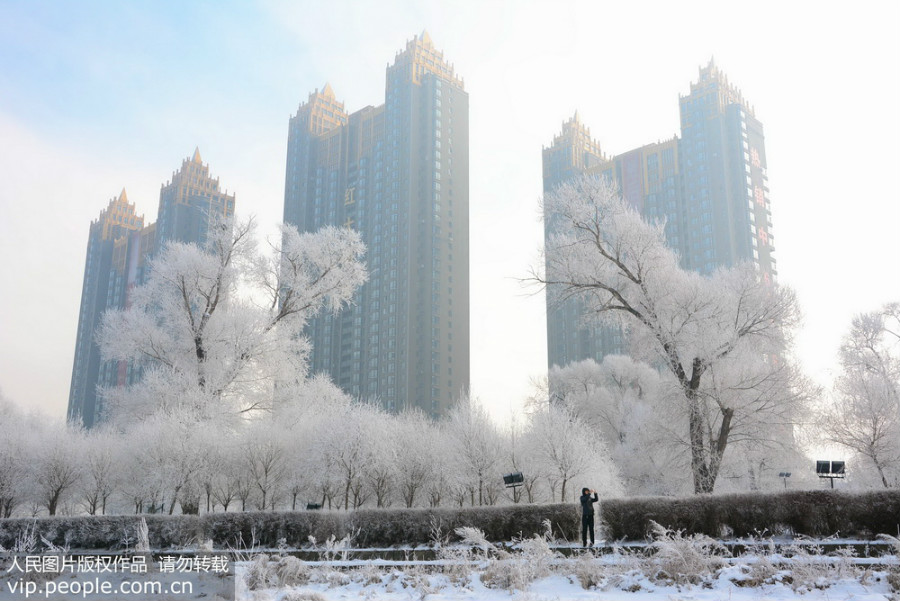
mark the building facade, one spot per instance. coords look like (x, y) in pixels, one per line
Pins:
(570, 337)
(191, 203)
(119, 254)
(399, 174)
(727, 215)
(709, 185)
(118, 221)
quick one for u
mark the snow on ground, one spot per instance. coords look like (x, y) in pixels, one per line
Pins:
(857, 583)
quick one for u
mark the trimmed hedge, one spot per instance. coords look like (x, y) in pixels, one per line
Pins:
(368, 527)
(811, 513)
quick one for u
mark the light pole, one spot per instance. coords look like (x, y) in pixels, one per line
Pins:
(785, 476)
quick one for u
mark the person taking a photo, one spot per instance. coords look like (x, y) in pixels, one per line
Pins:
(587, 514)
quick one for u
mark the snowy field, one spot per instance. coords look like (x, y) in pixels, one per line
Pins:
(416, 583)
(673, 567)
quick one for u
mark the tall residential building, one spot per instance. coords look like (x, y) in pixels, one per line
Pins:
(723, 157)
(119, 252)
(710, 186)
(191, 203)
(116, 222)
(569, 336)
(399, 174)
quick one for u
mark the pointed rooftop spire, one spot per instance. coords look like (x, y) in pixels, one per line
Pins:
(426, 39)
(327, 91)
(197, 158)
(123, 197)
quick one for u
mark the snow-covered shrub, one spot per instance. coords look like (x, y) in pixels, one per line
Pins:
(617, 572)
(683, 559)
(812, 569)
(474, 539)
(809, 513)
(893, 579)
(261, 573)
(332, 548)
(763, 571)
(142, 545)
(808, 570)
(454, 559)
(334, 578)
(368, 574)
(386, 527)
(25, 540)
(894, 542)
(589, 571)
(455, 563)
(893, 576)
(418, 579)
(291, 571)
(516, 571)
(756, 573)
(760, 569)
(371, 527)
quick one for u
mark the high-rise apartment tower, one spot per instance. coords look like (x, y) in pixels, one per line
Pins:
(399, 174)
(98, 293)
(710, 187)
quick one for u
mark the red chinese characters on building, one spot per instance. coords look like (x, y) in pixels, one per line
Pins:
(759, 196)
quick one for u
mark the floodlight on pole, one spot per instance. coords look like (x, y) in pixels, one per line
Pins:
(785, 476)
(831, 470)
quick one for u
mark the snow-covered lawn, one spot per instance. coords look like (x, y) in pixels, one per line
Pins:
(419, 583)
(673, 567)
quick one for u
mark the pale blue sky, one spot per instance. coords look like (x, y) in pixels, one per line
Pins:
(96, 96)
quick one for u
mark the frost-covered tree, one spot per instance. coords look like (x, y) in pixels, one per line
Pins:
(308, 414)
(865, 414)
(102, 462)
(14, 467)
(622, 400)
(518, 460)
(415, 455)
(444, 477)
(142, 481)
(167, 455)
(603, 253)
(385, 440)
(609, 396)
(348, 449)
(477, 447)
(222, 475)
(769, 396)
(214, 328)
(521, 456)
(265, 463)
(565, 448)
(56, 465)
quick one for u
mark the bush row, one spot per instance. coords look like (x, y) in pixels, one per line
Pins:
(810, 513)
(368, 528)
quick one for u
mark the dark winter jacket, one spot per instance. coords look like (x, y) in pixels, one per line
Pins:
(587, 504)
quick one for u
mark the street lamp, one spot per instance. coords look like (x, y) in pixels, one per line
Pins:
(513, 481)
(785, 476)
(831, 470)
